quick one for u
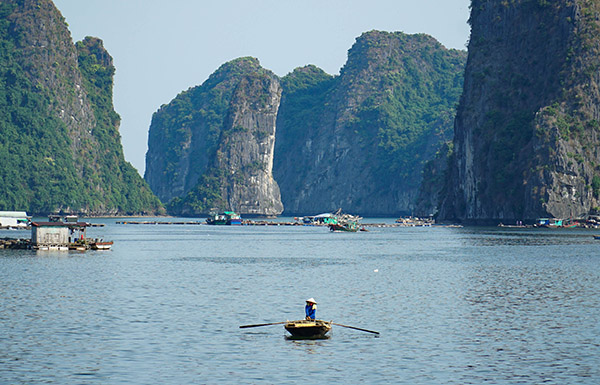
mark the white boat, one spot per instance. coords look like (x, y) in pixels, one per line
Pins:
(101, 245)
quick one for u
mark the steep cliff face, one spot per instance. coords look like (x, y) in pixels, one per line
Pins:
(432, 185)
(359, 141)
(184, 134)
(526, 131)
(60, 148)
(218, 139)
(245, 153)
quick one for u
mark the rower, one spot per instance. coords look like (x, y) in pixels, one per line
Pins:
(310, 309)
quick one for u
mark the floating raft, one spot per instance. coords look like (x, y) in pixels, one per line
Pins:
(252, 223)
(20, 244)
(25, 244)
(159, 223)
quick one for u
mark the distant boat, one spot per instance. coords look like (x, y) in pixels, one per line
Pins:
(217, 219)
(308, 328)
(101, 245)
(78, 246)
(549, 222)
(344, 222)
(346, 226)
(233, 218)
(597, 237)
(226, 218)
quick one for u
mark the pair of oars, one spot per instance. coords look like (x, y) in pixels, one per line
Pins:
(279, 323)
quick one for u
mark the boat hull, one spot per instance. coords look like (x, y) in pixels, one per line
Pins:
(227, 218)
(101, 245)
(345, 228)
(218, 222)
(308, 328)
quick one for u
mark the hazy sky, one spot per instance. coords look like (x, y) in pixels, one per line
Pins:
(161, 47)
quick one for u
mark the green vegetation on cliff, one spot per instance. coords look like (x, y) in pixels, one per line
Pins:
(417, 104)
(54, 155)
(184, 134)
(37, 172)
(124, 190)
(205, 197)
(238, 176)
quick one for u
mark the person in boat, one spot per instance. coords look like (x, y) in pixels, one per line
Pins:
(310, 309)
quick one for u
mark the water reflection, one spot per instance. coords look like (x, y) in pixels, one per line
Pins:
(250, 260)
(293, 338)
(529, 320)
(527, 237)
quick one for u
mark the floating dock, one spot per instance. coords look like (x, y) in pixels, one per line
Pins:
(59, 233)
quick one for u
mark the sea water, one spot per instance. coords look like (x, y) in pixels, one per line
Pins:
(164, 306)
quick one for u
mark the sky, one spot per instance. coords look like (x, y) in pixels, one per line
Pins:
(161, 48)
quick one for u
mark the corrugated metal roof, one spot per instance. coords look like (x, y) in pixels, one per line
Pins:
(60, 224)
(13, 214)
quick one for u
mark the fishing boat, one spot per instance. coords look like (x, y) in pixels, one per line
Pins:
(79, 246)
(597, 237)
(344, 222)
(225, 218)
(348, 226)
(101, 245)
(308, 328)
(216, 219)
(233, 218)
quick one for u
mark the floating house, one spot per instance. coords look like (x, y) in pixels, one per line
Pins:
(64, 233)
(13, 219)
(56, 235)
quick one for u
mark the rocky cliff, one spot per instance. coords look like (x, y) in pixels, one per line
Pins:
(60, 147)
(526, 132)
(218, 139)
(184, 134)
(432, 185)
(359, 140)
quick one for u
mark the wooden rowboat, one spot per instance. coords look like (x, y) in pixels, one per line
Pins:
(308, 328)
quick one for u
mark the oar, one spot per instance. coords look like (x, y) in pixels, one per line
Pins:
(257, 325)
(352, 327)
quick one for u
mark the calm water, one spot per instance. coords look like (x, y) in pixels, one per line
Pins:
(453, 306)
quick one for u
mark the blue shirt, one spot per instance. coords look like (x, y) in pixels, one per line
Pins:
(311, 310)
